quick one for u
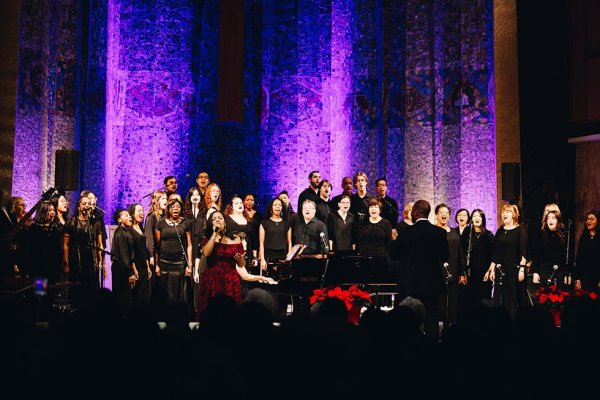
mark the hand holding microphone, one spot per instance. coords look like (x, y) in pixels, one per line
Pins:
(324, 243)
(448, 276)
(551, 278)
(499, 268)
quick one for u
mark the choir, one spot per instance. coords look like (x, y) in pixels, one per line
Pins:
(158, 256)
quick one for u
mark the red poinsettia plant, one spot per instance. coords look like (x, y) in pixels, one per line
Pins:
(353, 296)
(552, 296)
(584, 293)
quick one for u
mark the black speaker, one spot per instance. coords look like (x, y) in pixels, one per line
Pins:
(66, 170)
(511, 181)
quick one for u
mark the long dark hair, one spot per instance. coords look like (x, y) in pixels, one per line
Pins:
(560, 226)
(270, 207)
(188, 202)
(459, 211)
(483, 219)
(42, 214)
(595, 213)
(208, 231)
(131, 211)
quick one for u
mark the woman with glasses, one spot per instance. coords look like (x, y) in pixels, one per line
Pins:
(587, 265)
(172, 253)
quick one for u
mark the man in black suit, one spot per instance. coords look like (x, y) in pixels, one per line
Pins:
(421, 249)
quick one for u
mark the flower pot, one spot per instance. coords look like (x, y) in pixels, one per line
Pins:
(354, 314)
(555, 312)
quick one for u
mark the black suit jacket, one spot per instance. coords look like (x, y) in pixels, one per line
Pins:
(421, 249)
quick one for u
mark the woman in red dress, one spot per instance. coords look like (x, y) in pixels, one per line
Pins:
(225, 264)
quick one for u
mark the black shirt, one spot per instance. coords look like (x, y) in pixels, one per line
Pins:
(309, 234)
(375, 238)
(389, 210)
(307, 194)
(173, 240)
(275, 244)
(341, 232)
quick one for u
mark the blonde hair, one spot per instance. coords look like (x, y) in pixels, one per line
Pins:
(512, 208)
(155, 204)
(207, 201)
(407, 208)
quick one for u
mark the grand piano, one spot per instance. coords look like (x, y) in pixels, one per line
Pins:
(298, 277)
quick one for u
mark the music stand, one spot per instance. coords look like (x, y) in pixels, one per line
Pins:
(348, 268)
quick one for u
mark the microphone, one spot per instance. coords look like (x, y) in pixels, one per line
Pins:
(216, 229)
(551, 278)
(99, 209)
(448, 276)
(324, 242)
(499, 268)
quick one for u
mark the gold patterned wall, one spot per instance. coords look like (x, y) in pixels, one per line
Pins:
(9, 31)
(506, 70)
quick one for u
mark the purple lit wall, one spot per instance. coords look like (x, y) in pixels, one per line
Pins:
(46, 105)
(395, 89)
(402, 89)
(150, 93)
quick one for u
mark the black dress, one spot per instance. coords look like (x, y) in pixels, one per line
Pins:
(142, 291)
(275, 244)
(45, 255)
(452, 302)
(551, 251)
(83, 259)
(256, 221)
(149, 227)
(248, 230)
(172, 260)
(510, 245)
(587, 267)
(479, 260)
(374, 240)
(122, 259)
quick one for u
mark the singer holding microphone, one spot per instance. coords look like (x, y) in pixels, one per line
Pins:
(226, 264)
(83, 251)
(510, 251)
(550, 254)
(96, 214)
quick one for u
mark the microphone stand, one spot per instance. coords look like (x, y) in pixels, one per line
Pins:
(567, 269)
(155, 190)
(165, 186)
(93, 248)
(324, 252)
(500, 278)
(469, 248)
(447, 279)
(191, 278)
(175, 224)
(395, 210)
(101, 250)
